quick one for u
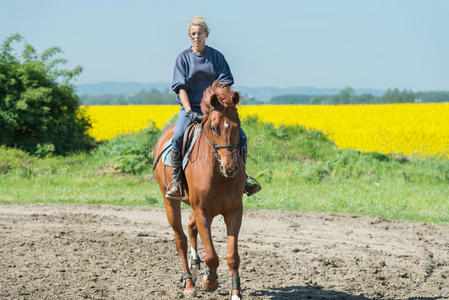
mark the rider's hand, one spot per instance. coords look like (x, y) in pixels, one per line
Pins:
(194, 116)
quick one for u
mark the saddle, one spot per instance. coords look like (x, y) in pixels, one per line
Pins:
(187, 139)
(190, 136)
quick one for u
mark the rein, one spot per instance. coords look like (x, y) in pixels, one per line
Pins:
(212, 144)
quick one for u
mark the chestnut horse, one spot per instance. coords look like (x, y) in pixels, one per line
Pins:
(215, 178)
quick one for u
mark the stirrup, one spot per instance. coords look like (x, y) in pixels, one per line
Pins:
(256, 183)
(178, 186)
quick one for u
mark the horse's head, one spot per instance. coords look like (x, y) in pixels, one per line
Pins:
(223, 124)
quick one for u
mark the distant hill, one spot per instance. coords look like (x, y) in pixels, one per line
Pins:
(263, 93)
(116, 88)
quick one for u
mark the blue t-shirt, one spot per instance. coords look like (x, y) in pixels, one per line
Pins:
(194, 72)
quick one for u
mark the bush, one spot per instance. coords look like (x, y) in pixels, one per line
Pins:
(12, 159)
(39, 110)
(133, 153)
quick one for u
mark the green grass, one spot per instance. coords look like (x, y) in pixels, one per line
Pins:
(299, 169)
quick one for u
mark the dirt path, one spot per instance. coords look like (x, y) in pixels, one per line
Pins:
(107, 252)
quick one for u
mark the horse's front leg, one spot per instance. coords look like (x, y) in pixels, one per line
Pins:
(233, 222)
(173, 211)
(203, 224)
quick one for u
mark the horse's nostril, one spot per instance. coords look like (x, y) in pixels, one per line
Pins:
(230, 172)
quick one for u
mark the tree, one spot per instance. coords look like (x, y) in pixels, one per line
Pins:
(388, 97)
(432, 96)
(39, 110)
(291, 99)
(346, 95)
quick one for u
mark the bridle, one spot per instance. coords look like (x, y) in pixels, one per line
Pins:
(214, 146)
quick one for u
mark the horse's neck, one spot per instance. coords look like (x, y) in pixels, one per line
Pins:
(204, 150)
(205, 147)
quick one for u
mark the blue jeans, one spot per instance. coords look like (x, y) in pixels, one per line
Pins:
(183, 121)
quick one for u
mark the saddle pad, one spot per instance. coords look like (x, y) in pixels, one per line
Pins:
(166, 157)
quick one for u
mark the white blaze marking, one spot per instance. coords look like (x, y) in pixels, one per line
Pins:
(226, 124)
(193, 253)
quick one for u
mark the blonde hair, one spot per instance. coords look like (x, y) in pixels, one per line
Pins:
(198, 21)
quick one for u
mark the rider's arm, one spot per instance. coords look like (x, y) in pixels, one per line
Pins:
(184, 99)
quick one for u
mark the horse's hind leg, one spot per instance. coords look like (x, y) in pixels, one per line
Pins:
(194, 262)
(233, 222)
(173, 211)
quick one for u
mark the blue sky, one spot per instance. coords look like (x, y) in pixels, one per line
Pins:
(322, 43)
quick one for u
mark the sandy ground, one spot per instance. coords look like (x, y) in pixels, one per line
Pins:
(108, 252)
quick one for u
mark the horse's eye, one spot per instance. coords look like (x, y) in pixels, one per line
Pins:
(213, 129)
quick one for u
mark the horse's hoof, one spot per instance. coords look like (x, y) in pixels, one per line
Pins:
(189, 294)
(210, 285)
(236, 296)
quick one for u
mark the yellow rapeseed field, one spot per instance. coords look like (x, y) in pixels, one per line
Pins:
(412, 129)
(112, 120)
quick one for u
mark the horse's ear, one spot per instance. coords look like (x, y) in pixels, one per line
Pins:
(214, 100)
(236, 98)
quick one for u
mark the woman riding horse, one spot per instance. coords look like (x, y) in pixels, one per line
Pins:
(215, 177)
(196, 69)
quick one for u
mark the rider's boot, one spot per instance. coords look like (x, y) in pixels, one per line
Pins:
(174, 189)
(250, 188)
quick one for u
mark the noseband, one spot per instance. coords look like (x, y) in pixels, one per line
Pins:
(212, 144)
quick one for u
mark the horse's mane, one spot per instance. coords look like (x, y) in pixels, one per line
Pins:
(225, 98)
